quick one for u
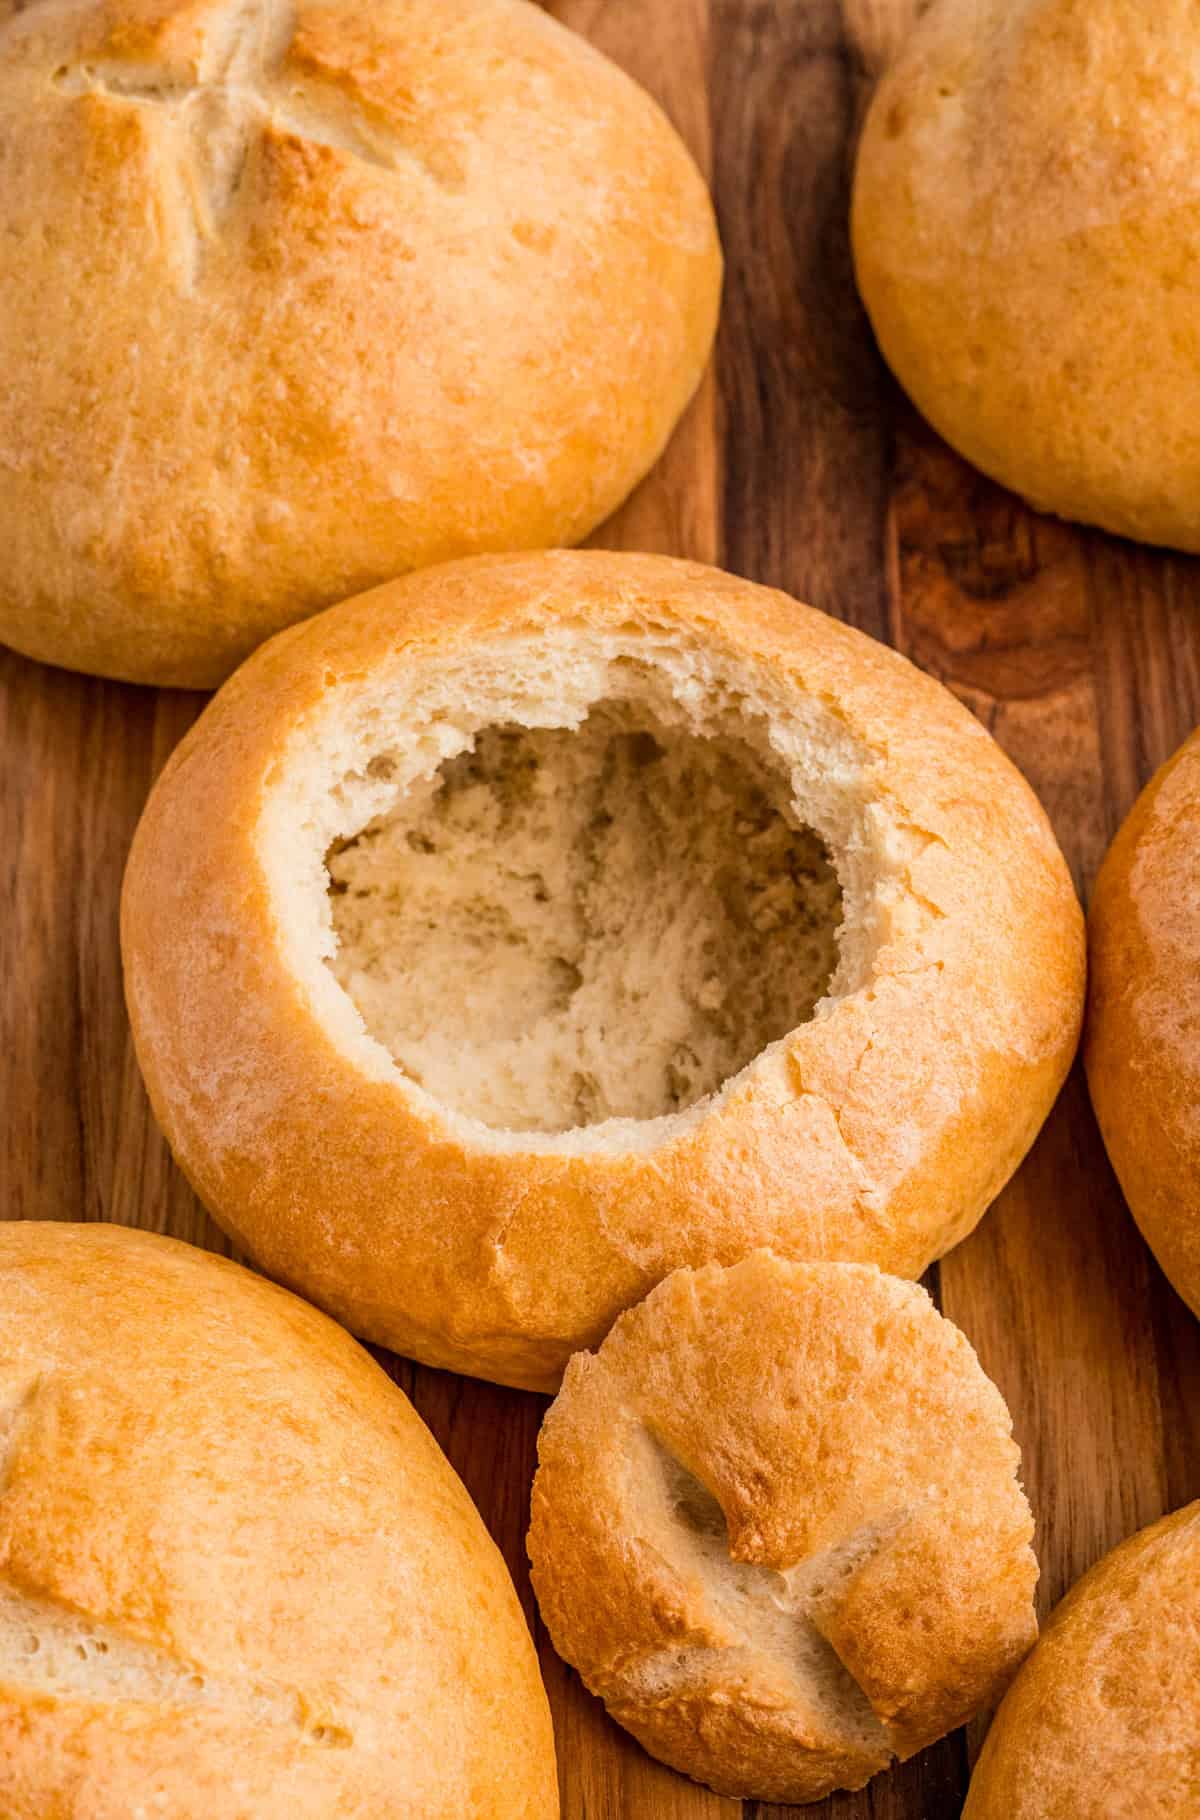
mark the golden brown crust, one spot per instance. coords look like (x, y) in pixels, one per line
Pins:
(300, 297)
(238, 1580)
(1103, 1723)
(892, 1123)
(863, 1466)
(1025, 239)
(1142, 1045)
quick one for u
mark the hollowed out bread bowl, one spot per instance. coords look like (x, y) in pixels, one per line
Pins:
(238, 1580)
(507, 937)
(1027, 240)
(777, 1526)
(1143, 1029)
(300, 294)
(1103, 1721)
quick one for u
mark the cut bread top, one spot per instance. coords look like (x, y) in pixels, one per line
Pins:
(777, 1526)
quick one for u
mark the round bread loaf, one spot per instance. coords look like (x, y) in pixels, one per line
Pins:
(300, 294)
(1027, 240)
(501, 940)
(238, 1580)
(1143, 1030)
(777, 1526)
(1103, 1721)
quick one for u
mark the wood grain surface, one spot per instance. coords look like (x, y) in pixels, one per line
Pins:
(799, 465)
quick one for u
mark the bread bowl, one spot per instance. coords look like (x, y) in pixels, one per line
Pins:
(1026, 242)
(777, 1527)
(297, 297)
(1143, 1028)
(1103, 1722)
(502, 939)
(238, 1580)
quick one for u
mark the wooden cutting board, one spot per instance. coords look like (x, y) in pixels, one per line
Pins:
(799, 465)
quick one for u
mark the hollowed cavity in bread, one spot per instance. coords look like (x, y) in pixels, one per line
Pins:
(571, 890)
(564, 926)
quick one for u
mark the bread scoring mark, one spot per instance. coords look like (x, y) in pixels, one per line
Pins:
(343, 128)
(243, 43)
(12, 1419)
(212, 108)
(223, 104)
(778, 1616)
(49, 1649)
(46, 1649)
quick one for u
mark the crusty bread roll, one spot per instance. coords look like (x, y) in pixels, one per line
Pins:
(295, 297)
(1143, 1029)
(1103, 1721)
(1027, 239)
(777, 1526)
(507, 937)
(238, 1580)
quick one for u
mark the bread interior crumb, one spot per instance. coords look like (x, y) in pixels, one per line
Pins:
(572, 891)
(568, 925)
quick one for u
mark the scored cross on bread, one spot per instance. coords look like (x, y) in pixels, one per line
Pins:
(234, 78)
(300, 296)
(777, 1526)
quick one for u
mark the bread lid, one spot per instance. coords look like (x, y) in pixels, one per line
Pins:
(777, 1526)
